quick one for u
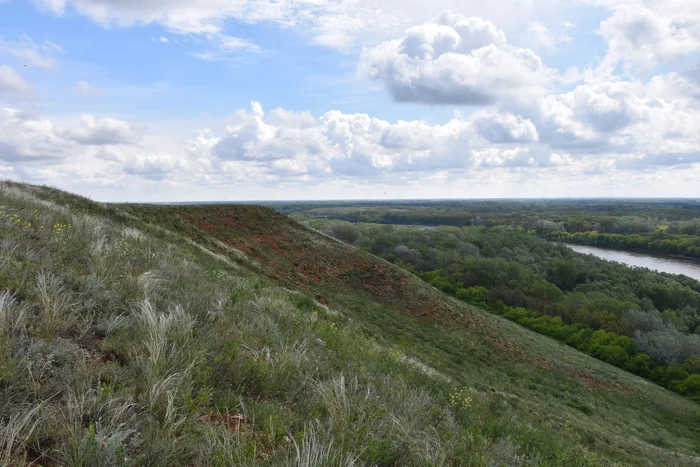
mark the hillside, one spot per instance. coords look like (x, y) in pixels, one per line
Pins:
(231, 335)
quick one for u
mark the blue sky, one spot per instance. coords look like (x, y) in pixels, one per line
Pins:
(320, 99)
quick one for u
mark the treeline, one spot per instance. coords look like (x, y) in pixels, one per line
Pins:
(642, 321)
(492, 212)
(658, 227)
(676, 238)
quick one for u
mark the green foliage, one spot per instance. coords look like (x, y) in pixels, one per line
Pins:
(476, 295)
(600, 308)
(662, 227)
(690, 386)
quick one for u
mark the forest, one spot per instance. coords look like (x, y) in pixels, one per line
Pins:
(661, 227)
(640, 320)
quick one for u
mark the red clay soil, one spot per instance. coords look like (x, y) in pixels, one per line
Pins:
(296, 256)
(231, 421)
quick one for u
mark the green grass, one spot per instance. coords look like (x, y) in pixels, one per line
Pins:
(131, 336)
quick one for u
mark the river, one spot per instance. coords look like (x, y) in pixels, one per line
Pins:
(673, 266)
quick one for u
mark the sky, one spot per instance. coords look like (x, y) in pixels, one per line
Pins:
(231, 100)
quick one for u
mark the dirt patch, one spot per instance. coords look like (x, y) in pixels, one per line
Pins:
(597, 383)
(231, 421)
(298, 257)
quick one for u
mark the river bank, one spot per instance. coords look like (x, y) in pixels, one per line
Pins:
(634, 259)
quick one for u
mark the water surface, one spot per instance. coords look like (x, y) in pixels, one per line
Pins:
(673, 266)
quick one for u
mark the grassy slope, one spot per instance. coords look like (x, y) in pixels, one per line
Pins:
(175, 344)
(613, 411)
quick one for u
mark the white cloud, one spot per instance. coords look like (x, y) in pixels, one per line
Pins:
(11, 83)
(657, 119)
(83, 87)
(280, 149)
(610, 121)
(504, 127)
(151, 166)
(234, 43)
(286, 142)
(642, 38)
(99, 131)
(289, 118)
(30, 53)
(456, 59)
(540, 36)
(604, 107)
(341, 24)
(497, 157)
(96, 151)
(27, 138)
(223, 47)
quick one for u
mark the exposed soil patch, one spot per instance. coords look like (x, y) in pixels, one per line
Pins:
(298, 257)
(595, 383)
(231, 421)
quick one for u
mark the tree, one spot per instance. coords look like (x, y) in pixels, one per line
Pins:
(690, 386)
(613, 354)
(644, 321)
(565, 274)
(641, 364)
(345, 232)
(664, 346)
(476, 294)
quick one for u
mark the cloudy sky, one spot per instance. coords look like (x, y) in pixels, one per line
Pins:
(174, 100)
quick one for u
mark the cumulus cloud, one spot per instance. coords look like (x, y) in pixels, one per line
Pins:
(504, 127)
(642, 38)
(497, 157)
(30, 53)
(278, 147)
(87, 150)
(592, 109)
(151, 166)
(11, 83)
(455, 59)
(27, 137)
(588, 129)
(99, 131)
(656, 117)
(83, 87)
(287, 142)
